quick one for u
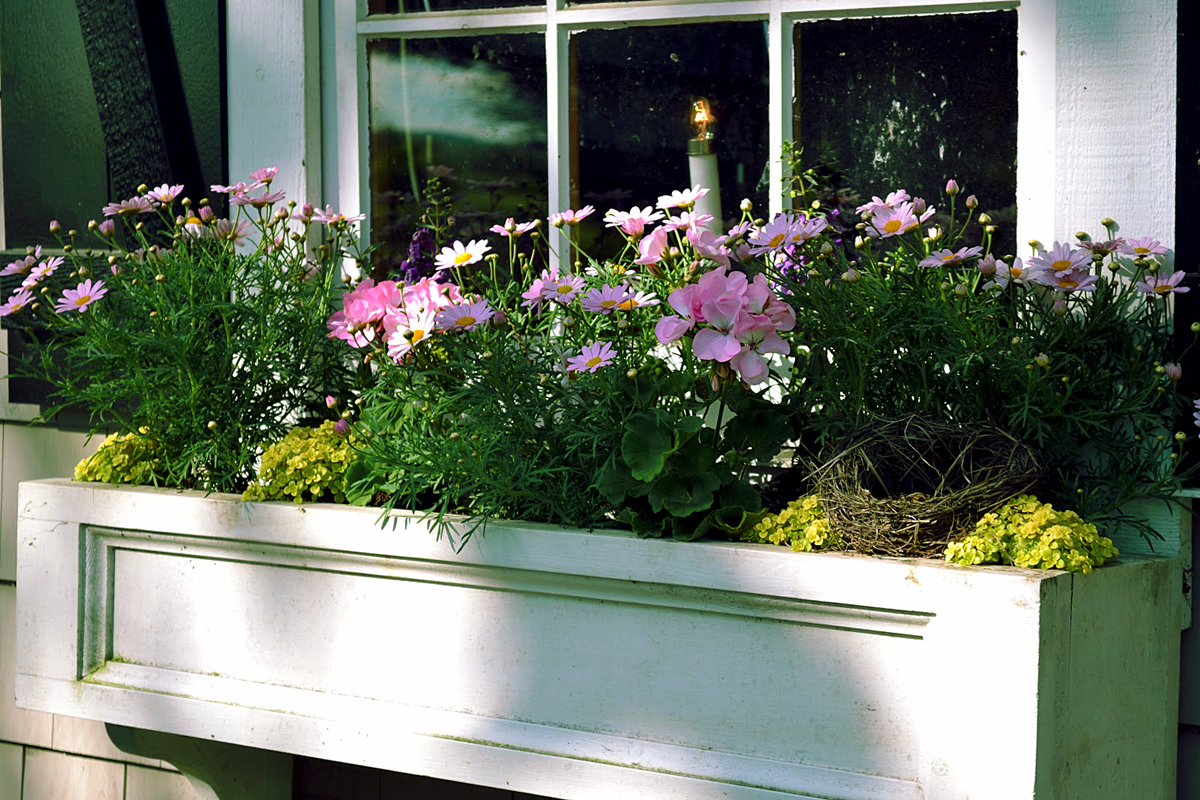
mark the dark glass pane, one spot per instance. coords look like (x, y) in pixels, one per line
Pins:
(633, 106)
(908, 102)
(419, 6)
(469, 110)
(54, 161)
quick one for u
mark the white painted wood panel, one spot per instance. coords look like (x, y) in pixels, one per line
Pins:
(560, 662)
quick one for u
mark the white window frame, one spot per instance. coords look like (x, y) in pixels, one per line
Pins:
(1096, 82)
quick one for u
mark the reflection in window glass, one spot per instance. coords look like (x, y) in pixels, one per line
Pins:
(908, 102)
(470, 111)
(635, 89)
(418, 6)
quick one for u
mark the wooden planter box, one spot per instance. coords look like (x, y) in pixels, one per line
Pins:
(593, 665)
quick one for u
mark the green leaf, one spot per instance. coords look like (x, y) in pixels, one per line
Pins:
(683, 496)
(358, 485)
(647, 443)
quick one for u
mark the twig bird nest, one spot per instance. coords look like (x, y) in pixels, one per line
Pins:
(910, 486)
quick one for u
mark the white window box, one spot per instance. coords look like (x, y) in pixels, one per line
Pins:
(591, 665)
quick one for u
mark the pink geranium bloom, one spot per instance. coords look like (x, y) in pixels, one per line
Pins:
(1143, 246)
(20, 299)
(606, 299)
(591, 358)
(671, 328)
(429, 293)
(948, 258)
(652, 248)
(465, 316)
(757, 335)
(82, 296)
(1163, 287)
(134, 205)
(1061, 258)
(709, 245)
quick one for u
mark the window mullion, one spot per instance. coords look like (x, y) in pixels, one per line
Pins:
(779, 108)
(558, 123)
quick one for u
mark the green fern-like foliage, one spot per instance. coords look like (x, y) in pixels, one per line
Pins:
(308, 464)
(803, 526)
(1028, 533)
(135, 458)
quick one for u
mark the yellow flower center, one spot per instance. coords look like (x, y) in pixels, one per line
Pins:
(608, 303)
(417, 335)
(776, 240)
(463, 258)
(1061, 264)
(1068, 284)
(1141, 250)
(566, 288)
(83, 300)
(464, 321)
(593, 361)
(1163, 288)
(194, 221)
(891, 226)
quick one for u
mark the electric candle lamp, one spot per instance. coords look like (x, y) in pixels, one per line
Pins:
(702, 163)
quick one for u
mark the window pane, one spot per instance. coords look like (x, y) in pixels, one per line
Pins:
(470, 110)
(418, 6)
(908, 102)
(633, 109)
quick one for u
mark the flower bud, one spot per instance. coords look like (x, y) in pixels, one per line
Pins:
(987, 266)
(1180, 436)
(826, 248)
(1059, 308)
(746, 205)
(212, 425)
(859, 242)
(989, 229)
(1042, 360)
(55, 228)
(851, 275)
(142, 188)
(961, 290)
(1174, 371)
(632, 371)
(919, 206)
(342, 427)
(107, 228)
(1108, 222)
(952, 187)
(1082, 236)
(1036, 245)
(1195, 327)
(331, 401)
(984, 219)
(972, 202)
(92, 225)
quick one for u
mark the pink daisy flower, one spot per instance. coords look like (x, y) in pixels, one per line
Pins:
(687, 221)
(893, 200)
(1061, 258)
(165, 194)
(1011, 273)
(534, 295)
(513, 228)
(639, 299)
(241, 187)
(1067, 281)
(591, 358)
(134, 205)
(465, 316)
(411, 329)
(632, 223)
(563, 289)
(1144, 247)
(333, 219)
(238, 232)
(685, 198)
(20, 299)
(604, 300)
(1161, 286)
(22, 265)
(264, 174)
(82, 296)
(569, 217)
(948, 258)
(888, 222)
(258, 201)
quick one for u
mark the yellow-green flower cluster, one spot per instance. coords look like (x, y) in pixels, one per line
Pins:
(1029, 533)
(308, 464)
(134, 458)
(803, 525)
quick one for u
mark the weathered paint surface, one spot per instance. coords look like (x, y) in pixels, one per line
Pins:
(565, 663)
